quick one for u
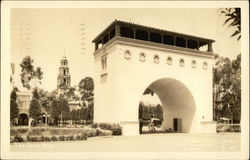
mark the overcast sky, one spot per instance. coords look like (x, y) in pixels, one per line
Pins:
(47, 34)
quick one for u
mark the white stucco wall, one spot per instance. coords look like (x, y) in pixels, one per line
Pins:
(117, 99)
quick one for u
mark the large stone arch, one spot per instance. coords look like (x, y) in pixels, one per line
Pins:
(177, 102)
(120, 84)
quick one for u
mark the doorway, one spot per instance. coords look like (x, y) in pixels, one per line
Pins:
(177, 124)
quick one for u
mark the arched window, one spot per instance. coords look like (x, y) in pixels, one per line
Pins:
(142, 57)
(104, 63)
(193, 64)
(204, 66)
(182, 62)
(156, 59)
(169, 60)
(127, 55)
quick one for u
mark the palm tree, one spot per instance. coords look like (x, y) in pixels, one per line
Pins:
(233, 19)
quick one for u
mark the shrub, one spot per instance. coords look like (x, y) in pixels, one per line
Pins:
(117, 130)
(36, 131)
(47, 138)
(71, 138)
(92, 134)
(54, 138)
(34, 139)
(78, 137)
(94, 125)
(61, 138)
(22, 130)
(42, 138)
(16, 131)
(98, 132)
(18, 138)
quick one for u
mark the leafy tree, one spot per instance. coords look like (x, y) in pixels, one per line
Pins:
(64, 109)
(78, 115)
(85, 113)
(86, 87)
(87, 84)
(55, 111)
(148, 91)
(144, 112)
(82, 110)
(70, 93)
(158, 112)
(13, 106)
(227, 87)
(35, 109)
(228, 113)
(90, 111)
(35, 93)
(73, 115)
(233, 19)
(28, 72)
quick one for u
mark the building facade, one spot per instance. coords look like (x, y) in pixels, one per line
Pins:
(130, 58)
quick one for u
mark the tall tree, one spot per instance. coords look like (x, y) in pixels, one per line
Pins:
(70, 93)
(90, 111)
(35, 109)
(158, 112)
(227, 87)
(13, 106)
(64, 109)
(55, 111)
(86, 87)
(73, 115)
(28, 72)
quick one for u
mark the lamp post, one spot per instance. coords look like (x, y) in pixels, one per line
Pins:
(46, 118)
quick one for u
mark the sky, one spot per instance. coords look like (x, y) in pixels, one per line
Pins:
(48, 34)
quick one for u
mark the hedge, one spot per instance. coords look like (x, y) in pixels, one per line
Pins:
(115, 128)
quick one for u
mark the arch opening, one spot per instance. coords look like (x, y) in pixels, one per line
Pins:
(23, 119)
(178, 107)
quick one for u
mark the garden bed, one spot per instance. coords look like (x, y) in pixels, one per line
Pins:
(46, 134)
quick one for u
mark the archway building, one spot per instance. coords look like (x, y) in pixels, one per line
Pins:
(130, 58)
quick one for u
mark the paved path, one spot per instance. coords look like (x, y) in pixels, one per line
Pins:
(171, 142)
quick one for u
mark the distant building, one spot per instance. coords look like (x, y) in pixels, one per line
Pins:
(23, 103)
(63, 78)
(23, 99)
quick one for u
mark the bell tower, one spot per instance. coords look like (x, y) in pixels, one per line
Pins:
(63, 78)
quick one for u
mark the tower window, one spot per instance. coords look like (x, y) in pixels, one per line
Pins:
(64, 72)
(104, 62)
